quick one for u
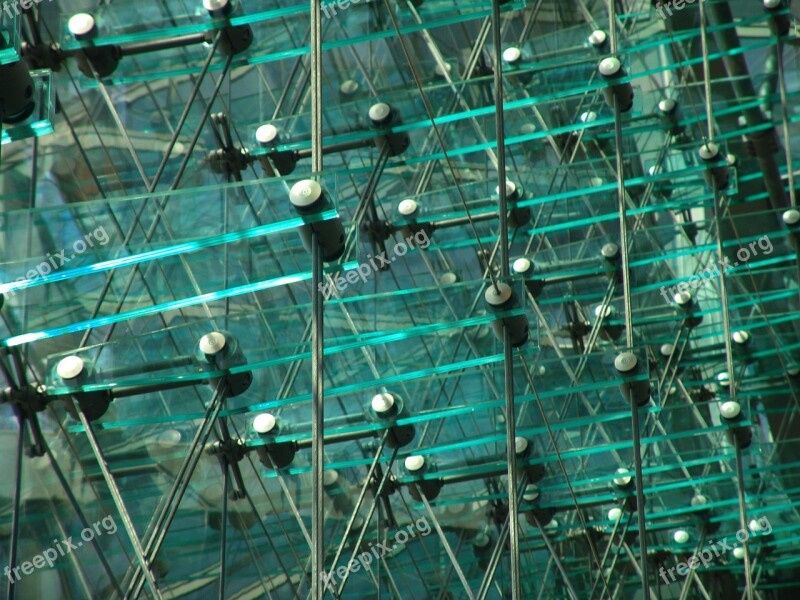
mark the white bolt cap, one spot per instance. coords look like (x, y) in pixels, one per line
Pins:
(625, 362)
(666, 349)
(382, 403)
(266, 134)
(81, 24)
(755, 526)
(496, 297)
(349, 87)
(709, 151)
(791, 216)
(512, 55)
(738, 552)
(407, 207)
(448, 278)
(520, 445)
(667, 105)
(623, 476)
(69, 367)
(378, 112)
(511, 187)
(414, 462)
(681, 536)
(610, 66)
(214, 5)
(598, 37)
(682, 298)
(442, 71)
(481, 540)
(741, 337)
(730, 409)
(169, 438)
(614, 514)
(264, 423)
(699, 500)
(602, 312)
(330, 477)
(522, 265)
(609, 250)
(588, 117)
(211, 343)
(531, 493)
(770, 4)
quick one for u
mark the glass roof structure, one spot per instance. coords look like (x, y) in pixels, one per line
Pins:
(399, 299)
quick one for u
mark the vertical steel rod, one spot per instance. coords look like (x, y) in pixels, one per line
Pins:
(508, 356)
(12, 554)
(317, 424)
(223, 530)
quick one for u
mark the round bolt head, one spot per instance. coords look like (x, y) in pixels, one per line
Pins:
(527, 129)
(610, 66)
(772, 4)
(609, 250)
(588, 117)
(481, 540)
(681, 536)
(330, 477)
(70, 367)
(81, 24)
(414, 462)
(212, 343)
(682, 298)
(699, 500)
(602, 312)
(379, 112)
(723, 379)
(267, 134)
(264, 423)
(738, 552)
(349, 87)
(522, 265)
(512, 55)
(614, 514)
(667, 105)
(709, 151)
(531, 493)
(382, 403)
(625, 362)
(407, 207)
(511, 187)
(448, 278)
(741, 337)
(442, 71)
(666, 349)
(791, 216)
(214, 5)
(169, 438)
(305, 193)
(730, 409)
(497, 297)
(623, 476)
(598, 37)
(520, 445)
